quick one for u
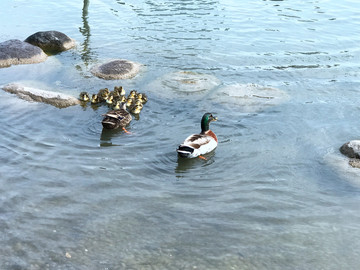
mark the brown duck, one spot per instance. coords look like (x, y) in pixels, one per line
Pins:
(117, 118)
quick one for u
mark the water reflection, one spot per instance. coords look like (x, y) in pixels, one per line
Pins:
(85, 31)
(107, 135)
(186, 164)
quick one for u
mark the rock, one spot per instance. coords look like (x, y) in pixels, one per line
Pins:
(355, 163)
(351, 149)
(249, 97)
(15, 52)
(184, 84)
(116, 69)
(51, 41)
(345, 168)
(59, 100)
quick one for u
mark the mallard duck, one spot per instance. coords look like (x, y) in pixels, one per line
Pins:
(95, 99)
(84, 96)
(197, 145)
(117, 118)
(136, 109)
(103, 93)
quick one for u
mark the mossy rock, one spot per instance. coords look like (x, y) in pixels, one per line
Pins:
(116, 69)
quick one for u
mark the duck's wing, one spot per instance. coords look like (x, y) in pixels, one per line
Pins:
(197, 140)
(114, 114)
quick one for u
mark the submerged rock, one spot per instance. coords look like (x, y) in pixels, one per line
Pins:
(351, 149)
(59, 100)
(183, 84)
(249, 97)
(347, 169)
(51, 41)
(15, 52)
(116, 69)
(355, 163)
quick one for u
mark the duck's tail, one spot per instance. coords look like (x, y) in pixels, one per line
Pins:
(108, 123)
(185, 150)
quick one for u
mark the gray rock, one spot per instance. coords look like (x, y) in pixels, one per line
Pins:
(116, 69)
(15, 52)
(51, 41)
(351, 149)
(59, 100)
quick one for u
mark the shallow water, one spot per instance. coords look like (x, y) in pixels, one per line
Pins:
(275, 194)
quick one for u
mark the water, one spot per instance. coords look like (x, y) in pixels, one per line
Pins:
(276, 193)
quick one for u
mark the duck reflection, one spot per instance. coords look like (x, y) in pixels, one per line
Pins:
(185, 164)
(107, 135)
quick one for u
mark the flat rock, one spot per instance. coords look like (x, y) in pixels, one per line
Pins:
(116, 69)
(16, 52)
(56, 99)
(184, 84)
(51, 41)
(249, 97)
(351, 149)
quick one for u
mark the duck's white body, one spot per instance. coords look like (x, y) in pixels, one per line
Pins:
(198, 144)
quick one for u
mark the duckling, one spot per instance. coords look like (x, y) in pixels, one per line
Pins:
(144, 98)
(117, 105)
(132, 94)
(95, 99)
(122, 98)
(117, 118)
(119, 98)
(139, 96)
(103, 93)
(84, 96)
(110, 99)
(114, 94)
(136, 109)
(119, 90)
(129, 102)
(138, 102)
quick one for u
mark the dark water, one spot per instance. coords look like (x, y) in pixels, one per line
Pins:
(275, 194)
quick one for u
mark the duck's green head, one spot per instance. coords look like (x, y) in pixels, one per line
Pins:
(205, 121)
